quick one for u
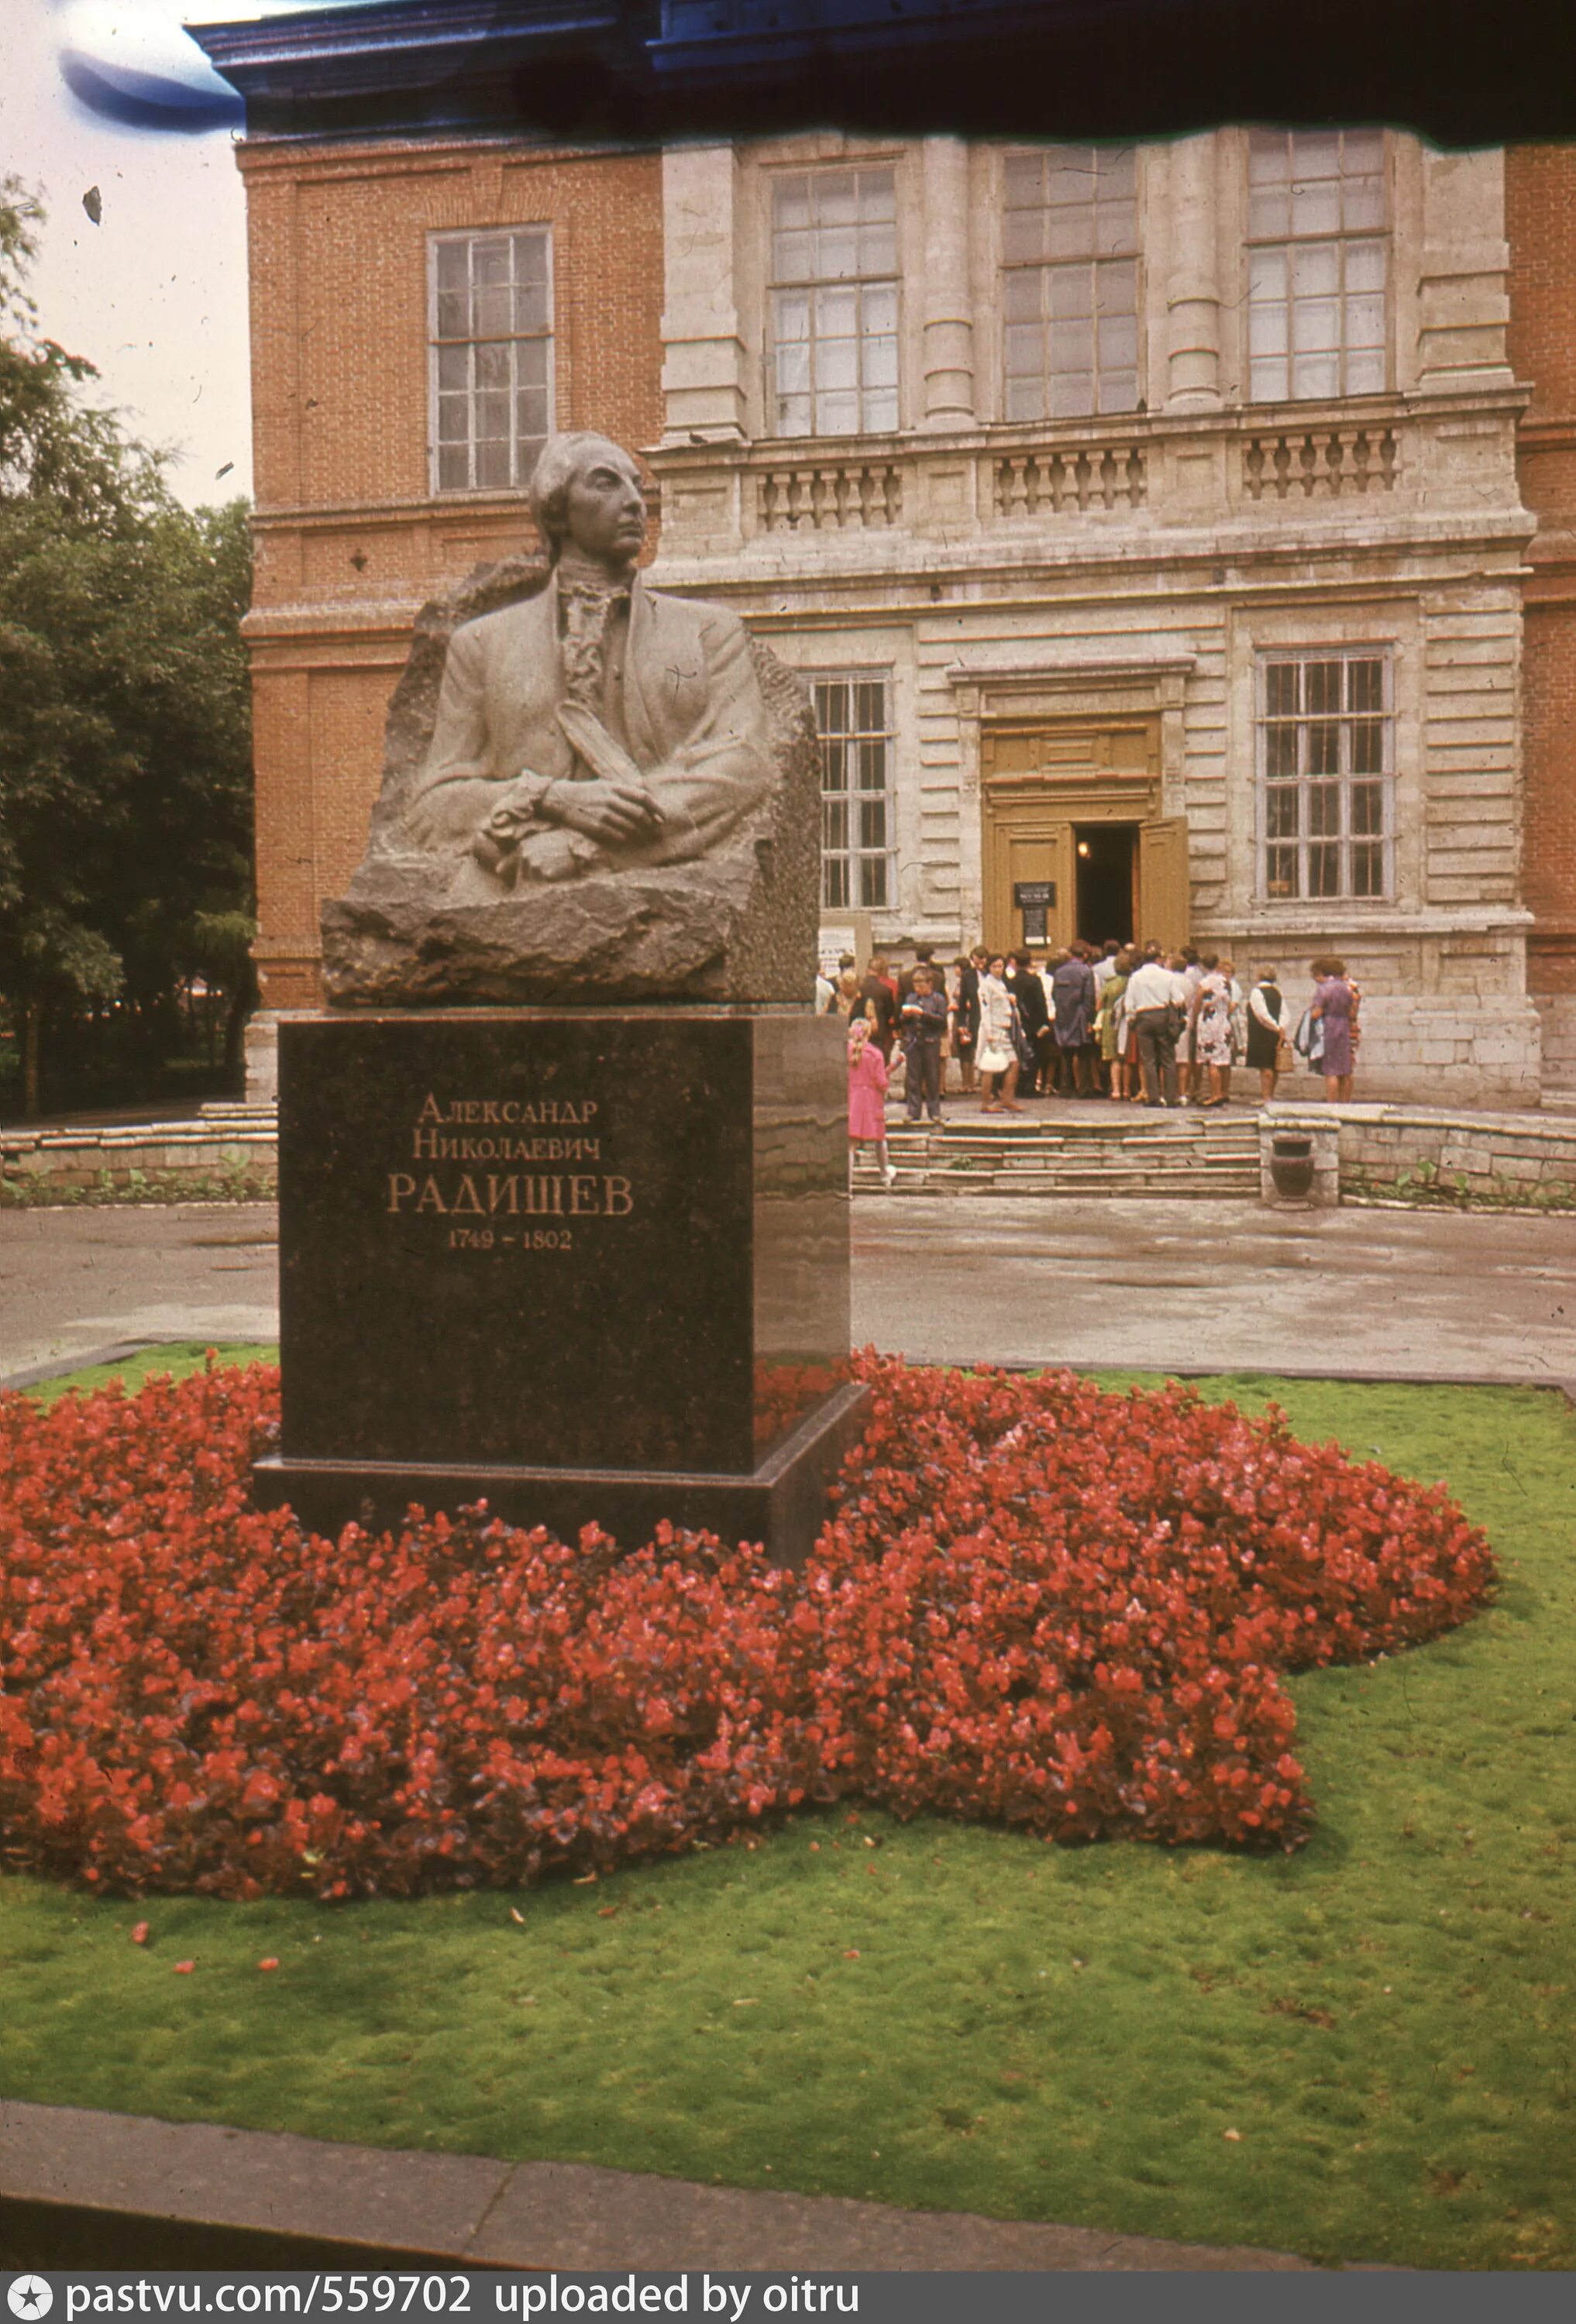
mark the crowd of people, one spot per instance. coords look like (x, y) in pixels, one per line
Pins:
(1128, 1023)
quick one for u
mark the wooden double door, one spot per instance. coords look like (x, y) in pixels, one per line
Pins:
(1073, 841)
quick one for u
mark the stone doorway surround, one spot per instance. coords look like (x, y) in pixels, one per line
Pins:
(1046, 745)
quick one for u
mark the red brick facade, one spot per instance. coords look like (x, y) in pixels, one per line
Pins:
(351, 540)
(1540, 200)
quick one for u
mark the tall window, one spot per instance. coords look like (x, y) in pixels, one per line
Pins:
(1316, 264)
(1070, 282)
(853, 713)
(1326, 773)
(491, 328)
(834, 302)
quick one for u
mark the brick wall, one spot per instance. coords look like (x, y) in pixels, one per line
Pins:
(1540, 194)
(350, 540)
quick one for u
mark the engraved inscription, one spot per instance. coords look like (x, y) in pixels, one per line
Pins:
(512, 1130)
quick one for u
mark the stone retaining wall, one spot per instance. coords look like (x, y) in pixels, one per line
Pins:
(169, 1158)
(1506, 1157)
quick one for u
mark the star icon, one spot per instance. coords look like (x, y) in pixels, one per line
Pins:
(29, 2296)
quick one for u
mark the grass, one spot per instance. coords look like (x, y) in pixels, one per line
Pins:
(947, 2016)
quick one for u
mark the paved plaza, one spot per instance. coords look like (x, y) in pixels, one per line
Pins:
(1190, 1285)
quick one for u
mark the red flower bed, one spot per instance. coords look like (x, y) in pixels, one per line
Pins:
(1034, 1602)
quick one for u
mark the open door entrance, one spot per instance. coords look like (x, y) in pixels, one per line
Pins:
(1105, 857)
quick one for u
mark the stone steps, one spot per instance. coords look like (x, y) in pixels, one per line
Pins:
(1182, 1156)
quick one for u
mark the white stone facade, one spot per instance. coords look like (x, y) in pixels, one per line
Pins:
(1074, 617)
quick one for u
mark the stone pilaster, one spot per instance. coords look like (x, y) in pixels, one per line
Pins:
(1463, 302)
(1194, 307)
(948, 308)
(703, 356)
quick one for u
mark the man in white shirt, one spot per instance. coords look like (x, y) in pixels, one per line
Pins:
(1156, 998)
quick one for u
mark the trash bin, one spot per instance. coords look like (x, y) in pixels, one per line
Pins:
(1291, 1163)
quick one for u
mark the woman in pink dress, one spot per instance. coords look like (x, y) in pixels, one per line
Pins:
(867, 1092)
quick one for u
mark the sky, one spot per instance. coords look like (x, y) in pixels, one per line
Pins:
(155, 293)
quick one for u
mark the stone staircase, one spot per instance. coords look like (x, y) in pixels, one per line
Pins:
(1092, 1150)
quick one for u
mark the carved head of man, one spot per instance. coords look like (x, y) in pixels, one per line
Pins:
(588, 502)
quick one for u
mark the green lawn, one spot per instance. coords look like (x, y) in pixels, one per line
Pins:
(964, 2018)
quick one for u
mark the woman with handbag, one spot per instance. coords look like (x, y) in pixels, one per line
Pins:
(1334, 1010)
(1266, 1032)
(997, 1056)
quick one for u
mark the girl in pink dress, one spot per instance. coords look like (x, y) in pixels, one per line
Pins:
(867, 1093)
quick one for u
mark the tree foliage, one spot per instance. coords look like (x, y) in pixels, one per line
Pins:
(125, 739)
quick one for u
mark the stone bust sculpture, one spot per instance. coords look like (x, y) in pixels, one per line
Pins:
(601, 722)
(617, 784)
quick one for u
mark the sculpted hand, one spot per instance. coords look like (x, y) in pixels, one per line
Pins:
(609, 811)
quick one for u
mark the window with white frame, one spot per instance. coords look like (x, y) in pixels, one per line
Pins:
(1317, 263)
(490, 342)
(853, 713)
(834, 302)
(1326, 773)
(1070, 281)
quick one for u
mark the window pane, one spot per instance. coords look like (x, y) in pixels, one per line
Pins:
(454, 369)
(1280, 753)
(453, 468)
(793, 257)
(873, 871)
(1316, 206)
(1324, 869)
(791, 315)
(1367, 746)
(1267, 331)
(1367, 869)
(1315, 378)
(1368, 810)
(1280, 812)
(1270, 211)
(1365, 685)
(1070, 233)
(879, 307)
(878, 250)
(1324, 745)
(1280, 689)
(1119, 343)
(1023, 237)
(837, 364)
(790, 202)
(881, 362)
(1266, 274)
(494, 467)
(837, 255)
(1022, 290)
(1324, 810)
(1281, 872)
(531, 306)
(1321, 687)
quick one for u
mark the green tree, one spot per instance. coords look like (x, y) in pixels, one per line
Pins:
(125, 738)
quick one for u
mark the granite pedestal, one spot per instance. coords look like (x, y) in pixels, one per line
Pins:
(589, 1266)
